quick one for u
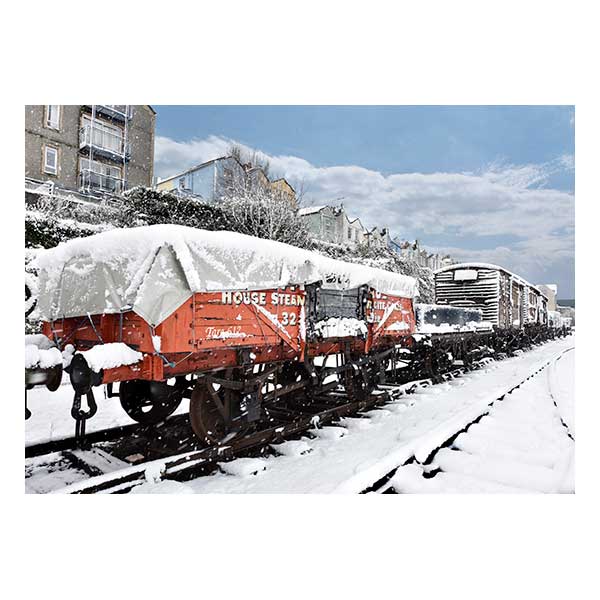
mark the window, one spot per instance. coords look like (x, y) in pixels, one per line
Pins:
(99, 176)
(103, 135)
(50, 160)
(52, 116)
(85, 164)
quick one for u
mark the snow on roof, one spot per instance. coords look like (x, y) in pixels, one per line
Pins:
(480, 265)
(475, 265)
(153, 270)
(309, 210)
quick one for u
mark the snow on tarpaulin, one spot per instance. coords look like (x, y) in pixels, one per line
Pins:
(153, 270)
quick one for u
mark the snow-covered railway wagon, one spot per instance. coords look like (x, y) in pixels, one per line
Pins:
(505, 299)
(555, 319)
(231, 321)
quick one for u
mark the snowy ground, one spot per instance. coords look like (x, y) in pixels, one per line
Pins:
(51, 413)
(521, 446)
(354, 454)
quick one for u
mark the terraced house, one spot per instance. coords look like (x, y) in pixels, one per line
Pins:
(331, 224)
(92, 151)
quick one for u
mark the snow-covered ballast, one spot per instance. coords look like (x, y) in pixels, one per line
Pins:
(187, 300)
(505, 299)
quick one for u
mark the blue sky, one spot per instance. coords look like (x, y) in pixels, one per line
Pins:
(390, 139)
(493, 183)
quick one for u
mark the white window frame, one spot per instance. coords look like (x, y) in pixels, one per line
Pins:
(100, 168)
(99, 128)
(47, 119)
(48, 169)
(103, 171)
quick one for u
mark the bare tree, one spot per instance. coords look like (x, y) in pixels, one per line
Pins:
(263, 212)
(301, 188)
(253, 160)
(235, 150)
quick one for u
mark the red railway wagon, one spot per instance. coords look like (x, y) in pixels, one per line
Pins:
(233, 322)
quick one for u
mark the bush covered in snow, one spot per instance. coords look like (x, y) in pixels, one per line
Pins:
(145, 206)
(74, 209)
(53, 221)
(47, 229)
(243, 211)
(267, 217)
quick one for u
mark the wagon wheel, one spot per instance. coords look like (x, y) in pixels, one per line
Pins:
(428, 370)
(437, 364)
(359, 383)
(149, 402)
(467, 350)
(356, 388)
(213, 409)
(30, 301)
(291, 372)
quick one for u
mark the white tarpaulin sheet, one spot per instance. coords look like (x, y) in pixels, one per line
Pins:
(153, 270)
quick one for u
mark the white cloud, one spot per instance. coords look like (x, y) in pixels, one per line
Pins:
(545, 259)
(171, 157)
(499, 200)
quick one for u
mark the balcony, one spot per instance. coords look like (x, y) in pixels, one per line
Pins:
(94, 183)
(103, 143)
(118, 112)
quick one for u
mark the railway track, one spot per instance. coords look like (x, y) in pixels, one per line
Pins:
(172, 451)
(552, 385)
(428, 467)
(119, 459)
